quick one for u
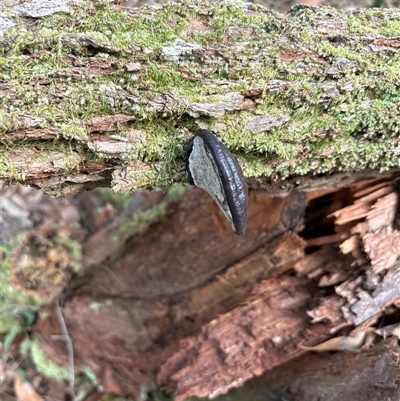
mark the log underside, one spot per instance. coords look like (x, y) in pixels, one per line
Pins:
(207, 311)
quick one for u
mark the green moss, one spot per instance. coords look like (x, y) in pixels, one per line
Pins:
(373, 22)
(46, 366)
(25, 346)
(169, 80)
(73, 131)
(73, 247)
(85, 378)
(88, 375)
(176, 192)
(7, 320)
(13, 302)
(138, 223)
(105, 195)
(17, 305)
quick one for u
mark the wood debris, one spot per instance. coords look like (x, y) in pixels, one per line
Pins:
(358, 261)
(209, 312)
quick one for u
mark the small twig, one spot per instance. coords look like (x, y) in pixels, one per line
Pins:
(56, 337)
(17, 363)
(70, 349)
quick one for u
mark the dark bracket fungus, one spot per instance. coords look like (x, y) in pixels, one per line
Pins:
(210, 166)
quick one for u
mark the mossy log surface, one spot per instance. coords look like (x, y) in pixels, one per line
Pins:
(97, 95)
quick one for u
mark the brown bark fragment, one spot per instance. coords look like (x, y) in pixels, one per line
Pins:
(383, 249)
(379, 44)
(109, 146)
(44, 165)
(108, 123)
(329, 309)
(94, 66)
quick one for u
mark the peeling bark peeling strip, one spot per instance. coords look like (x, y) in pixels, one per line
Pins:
(386, 294)
(11, 124)
(278, 85)
(331, 25)
(133, 67)
(81, 178)
(33, 134)
(108, 123)
(42, 8)
(51, 163)
(110, 147)
(70, 185)
(232, 102)
(266, 123)
(383, 44)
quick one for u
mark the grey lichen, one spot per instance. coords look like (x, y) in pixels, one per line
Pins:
(178, 49)
(5, 23)
(42, 8)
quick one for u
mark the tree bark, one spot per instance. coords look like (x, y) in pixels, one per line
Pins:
(97, 95)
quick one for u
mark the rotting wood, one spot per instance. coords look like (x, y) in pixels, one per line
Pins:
(230, 350)
(292, 96)
(241, 344)
(369, 375)
(127, 314)
(144, 308)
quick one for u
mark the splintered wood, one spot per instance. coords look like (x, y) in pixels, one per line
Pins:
(375, 210)
(358, 261)
(363, 267)
(142, 294)
(241, 344)
(370, 279)
(181, 298)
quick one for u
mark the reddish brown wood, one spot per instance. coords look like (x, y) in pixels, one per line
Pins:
(206, 311)
(128, 313)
